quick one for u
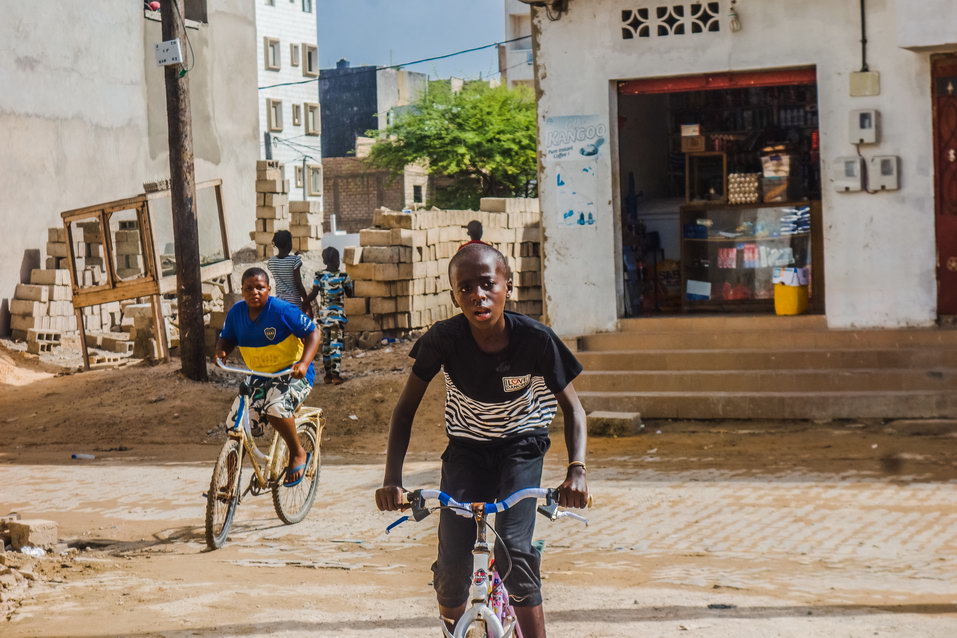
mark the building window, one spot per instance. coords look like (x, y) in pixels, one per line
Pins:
(314, 182)
(298, 176)
(296, 115)
(271, 54)
(274, 114)
(310, 60)
(307, 6)
(417, 194)
(270, 3)
(312, 118)
(294, 54)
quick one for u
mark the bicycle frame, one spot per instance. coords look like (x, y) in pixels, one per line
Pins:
(479, 609)
(242, 431)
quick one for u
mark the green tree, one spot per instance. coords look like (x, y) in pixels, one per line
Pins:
(479, 142)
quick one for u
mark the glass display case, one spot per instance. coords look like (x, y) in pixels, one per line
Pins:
(729, 252)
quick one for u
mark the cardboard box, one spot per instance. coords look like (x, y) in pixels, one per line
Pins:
(693, 144)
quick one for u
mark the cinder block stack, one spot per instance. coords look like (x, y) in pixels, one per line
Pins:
(306, 225)
(43, 304)
(400, 268)
(88, 238)
(129, 252)
(272, 205)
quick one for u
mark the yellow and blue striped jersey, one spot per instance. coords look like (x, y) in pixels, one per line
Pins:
(273, 340)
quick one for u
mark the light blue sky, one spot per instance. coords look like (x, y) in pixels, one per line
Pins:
(377, 31)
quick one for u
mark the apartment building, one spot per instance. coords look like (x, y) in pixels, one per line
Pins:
(516, 60)
(289, 115)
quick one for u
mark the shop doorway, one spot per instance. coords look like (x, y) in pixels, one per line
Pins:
(721, 188)
(945, 159)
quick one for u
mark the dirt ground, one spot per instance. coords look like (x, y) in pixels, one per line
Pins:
(713, 529)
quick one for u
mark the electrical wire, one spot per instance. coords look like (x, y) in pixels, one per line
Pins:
(191, 60)
(397, 66)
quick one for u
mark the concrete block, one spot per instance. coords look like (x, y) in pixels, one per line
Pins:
(493, 204)
(32, 292)
(49, 277)
(310, 206)
(33, 532)
(139, 310)
(604, 423)
(375, 237)
(307, 244)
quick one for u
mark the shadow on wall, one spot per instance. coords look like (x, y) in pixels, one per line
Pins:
(31, 260)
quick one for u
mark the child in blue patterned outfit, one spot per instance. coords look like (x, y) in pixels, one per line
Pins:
(332, 286)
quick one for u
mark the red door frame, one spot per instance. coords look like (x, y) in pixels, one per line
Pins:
(944, 92)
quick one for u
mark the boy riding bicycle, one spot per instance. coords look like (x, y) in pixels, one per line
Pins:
(273, 335)
(505, 376)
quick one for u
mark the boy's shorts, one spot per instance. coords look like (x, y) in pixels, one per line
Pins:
(486, 472)
(272, 397)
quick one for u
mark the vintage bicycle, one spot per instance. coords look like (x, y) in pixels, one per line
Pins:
(224, 495)
(488, 614)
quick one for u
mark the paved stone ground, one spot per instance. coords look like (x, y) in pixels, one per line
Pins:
(794, 554)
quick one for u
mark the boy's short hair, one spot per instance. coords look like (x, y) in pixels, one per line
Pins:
(474, 229)
(282, 240)
(255, 271)
(330, 254)
(474, 250)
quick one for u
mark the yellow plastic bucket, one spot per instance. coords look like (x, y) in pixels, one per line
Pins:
(790, 300)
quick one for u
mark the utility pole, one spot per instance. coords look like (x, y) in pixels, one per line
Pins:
(189, 283)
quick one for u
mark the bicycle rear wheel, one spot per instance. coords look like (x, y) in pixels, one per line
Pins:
(223, 495)
(293, 503)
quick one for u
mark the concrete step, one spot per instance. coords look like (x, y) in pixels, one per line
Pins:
(859, 380)
(768, 339)
(775, 405)
(766, 359)
(722, 323)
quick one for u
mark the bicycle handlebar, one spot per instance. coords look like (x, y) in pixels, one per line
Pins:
(550, 510)
(253, 373)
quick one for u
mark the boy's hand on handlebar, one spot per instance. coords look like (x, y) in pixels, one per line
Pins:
(219, 355)
(390, 498)
(573, 492)
(299, 369)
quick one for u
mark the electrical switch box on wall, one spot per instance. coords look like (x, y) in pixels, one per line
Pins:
(883, 173)
(847, 174)
(865, 126)
(168, 52)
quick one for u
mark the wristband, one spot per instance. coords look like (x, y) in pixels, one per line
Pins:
(580, 464)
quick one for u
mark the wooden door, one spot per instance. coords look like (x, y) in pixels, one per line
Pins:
(944, 73)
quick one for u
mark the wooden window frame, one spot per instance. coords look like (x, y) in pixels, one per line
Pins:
(311, 118)
(273, 106)
(308, 50)
(272, 45)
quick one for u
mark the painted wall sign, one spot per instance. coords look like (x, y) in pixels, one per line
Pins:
(574, 137)
(573, 145)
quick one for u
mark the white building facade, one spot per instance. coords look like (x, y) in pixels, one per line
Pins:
(885, 258)
(288, 54)
(516, 60)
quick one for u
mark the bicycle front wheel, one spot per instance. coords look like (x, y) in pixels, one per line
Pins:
(293, 503)
(223, 495)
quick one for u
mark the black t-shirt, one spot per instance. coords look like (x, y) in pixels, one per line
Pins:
(495, 396)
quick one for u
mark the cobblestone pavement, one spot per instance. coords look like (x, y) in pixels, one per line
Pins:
(786, 554)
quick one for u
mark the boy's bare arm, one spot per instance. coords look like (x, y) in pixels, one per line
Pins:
(311, 344)
(297, 278)
(389, 496)
(573, 492)
(222, 350)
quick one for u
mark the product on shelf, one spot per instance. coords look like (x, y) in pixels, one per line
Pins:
(744, 188)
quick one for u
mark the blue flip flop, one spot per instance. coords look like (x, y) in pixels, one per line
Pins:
(293, 470)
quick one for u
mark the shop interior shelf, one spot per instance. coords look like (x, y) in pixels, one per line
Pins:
(742, 239)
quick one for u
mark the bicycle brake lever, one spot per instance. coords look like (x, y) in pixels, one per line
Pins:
(572, 515)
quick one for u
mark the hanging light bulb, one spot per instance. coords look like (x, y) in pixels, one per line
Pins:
(733, 21)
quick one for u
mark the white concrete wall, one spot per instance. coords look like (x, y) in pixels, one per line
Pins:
(879, 249)
(927, 24)
(287, 22)
(83, 114)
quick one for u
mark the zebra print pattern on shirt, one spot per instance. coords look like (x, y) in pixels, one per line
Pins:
(467, 418)
(283, 271)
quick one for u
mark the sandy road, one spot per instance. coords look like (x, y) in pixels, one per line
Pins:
(796, 553)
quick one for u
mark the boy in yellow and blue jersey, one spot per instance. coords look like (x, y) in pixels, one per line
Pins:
(272, 335)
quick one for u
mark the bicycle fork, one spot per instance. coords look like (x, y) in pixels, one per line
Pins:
(480, 589)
